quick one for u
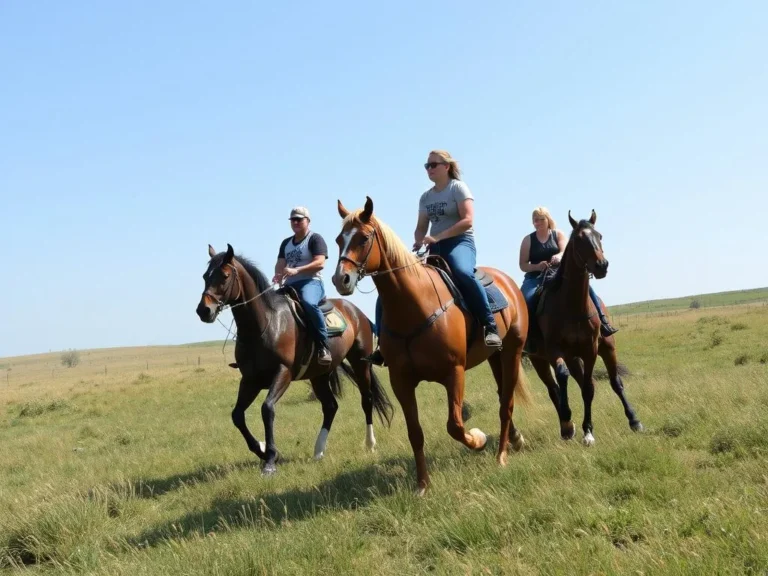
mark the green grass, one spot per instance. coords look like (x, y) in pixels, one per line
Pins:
(733, 298)
(140, 470)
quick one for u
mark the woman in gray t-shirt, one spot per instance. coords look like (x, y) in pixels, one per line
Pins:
(445, 225)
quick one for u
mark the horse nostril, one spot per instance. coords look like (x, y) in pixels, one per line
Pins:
(346, 280)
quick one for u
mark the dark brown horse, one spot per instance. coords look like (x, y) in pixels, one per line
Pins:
(424, 336)
(569, 331)
(273, 349)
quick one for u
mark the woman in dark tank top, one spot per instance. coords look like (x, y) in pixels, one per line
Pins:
(542, 249)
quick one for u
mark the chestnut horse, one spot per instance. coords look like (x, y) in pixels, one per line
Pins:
(272, 350)
(425, 337)
(569, 330)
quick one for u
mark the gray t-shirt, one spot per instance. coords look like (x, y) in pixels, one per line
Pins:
(443, 207)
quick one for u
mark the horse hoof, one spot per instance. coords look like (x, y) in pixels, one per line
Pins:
(479, 437)
(420, 492)
(637, 427)
(501, 459)
(567, 431)
(518, 442)
(268, 470)
(319, 455)
(589, 440)
(370, 446)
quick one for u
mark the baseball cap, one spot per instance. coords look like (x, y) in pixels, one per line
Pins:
(299, 212)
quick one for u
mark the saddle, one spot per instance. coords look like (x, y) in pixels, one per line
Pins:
(335, 322)
(496, 298)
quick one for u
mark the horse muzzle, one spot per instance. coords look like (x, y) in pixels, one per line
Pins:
(601, 269)
(206, 312)
(345, 280)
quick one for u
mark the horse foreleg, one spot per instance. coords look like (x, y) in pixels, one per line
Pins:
(322, 389)
(247, 393)
(405, 392)
(454, 385)
(587, 385)
(280, 382)
(557, 394)
(608, 354)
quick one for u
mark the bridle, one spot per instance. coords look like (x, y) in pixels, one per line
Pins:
(362, 272)
(221, 306)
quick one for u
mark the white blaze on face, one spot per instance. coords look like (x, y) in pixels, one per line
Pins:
(346, 239)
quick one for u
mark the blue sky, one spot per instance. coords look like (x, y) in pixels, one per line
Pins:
(134, 134)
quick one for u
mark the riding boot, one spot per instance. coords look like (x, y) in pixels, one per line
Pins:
(375, 358)
(324, 353)
(605, 327)
(492, 338)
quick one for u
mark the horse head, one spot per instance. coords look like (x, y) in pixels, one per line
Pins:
(222, 285)
(587, 246)
(359, 248)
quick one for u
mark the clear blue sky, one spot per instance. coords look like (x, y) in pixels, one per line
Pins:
(133, 134)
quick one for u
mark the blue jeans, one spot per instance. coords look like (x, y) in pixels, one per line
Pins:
(459, 252)
(311, 292)
(529, 285)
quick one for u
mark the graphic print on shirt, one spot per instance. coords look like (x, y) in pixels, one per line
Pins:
(435, 210)
(293, 255)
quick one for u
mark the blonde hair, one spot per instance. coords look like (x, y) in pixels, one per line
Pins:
(453, 165)
(542, 212)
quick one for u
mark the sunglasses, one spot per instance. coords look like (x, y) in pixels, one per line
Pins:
(429, 165)
(296, 219)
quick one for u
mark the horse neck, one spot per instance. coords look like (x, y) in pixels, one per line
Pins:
(575, 282)
(253, 317)
(405, 291)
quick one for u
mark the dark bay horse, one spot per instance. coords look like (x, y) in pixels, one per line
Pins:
(569, 331)
(272, 350)
(424, 336)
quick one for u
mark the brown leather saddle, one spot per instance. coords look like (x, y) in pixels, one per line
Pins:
(335, 322)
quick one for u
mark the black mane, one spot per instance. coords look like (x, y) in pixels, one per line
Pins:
(260, 279)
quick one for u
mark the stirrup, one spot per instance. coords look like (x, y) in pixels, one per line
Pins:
(607, 330)
(324, 355)
(493, 336)
(376, 357)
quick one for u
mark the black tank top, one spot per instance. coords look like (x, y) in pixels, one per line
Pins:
(541, 251)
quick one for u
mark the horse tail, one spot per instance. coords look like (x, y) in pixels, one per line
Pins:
(381, 403)
(335, 382)
(522, 390)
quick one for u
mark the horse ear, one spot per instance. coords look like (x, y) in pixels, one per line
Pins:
(593, 218)
(230, 255)
(343, 212)
(368, 210)
(572, 221)
(211, 251)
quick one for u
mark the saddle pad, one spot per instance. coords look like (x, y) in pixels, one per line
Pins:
(335, 323)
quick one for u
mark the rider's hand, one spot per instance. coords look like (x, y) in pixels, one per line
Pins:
(555, 260)
(428, 240)
(276, 279)
(543, 266)
(288, 272)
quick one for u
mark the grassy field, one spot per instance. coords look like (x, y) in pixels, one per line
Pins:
(129, 464)
(734, 298)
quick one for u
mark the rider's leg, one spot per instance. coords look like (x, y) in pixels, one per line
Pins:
(605, 328)
(311, 293)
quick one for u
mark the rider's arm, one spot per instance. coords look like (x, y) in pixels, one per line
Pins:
(466, 214)
(422, 225)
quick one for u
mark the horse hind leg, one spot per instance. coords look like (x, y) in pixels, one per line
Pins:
(512, 384)
(608, 353)
(362, 373)
(321, 385)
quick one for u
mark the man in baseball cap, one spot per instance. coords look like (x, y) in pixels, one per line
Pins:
(300, 262)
